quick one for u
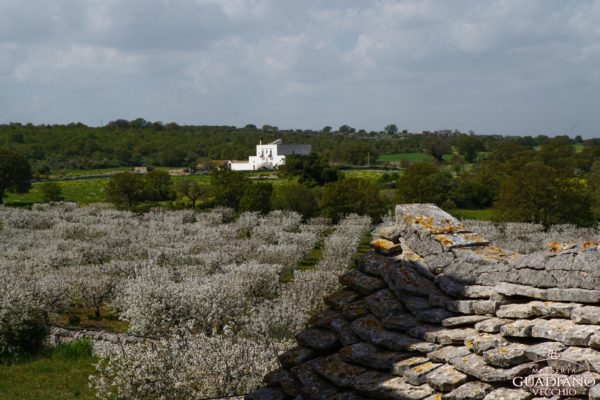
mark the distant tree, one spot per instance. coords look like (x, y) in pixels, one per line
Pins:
(51, 191)
(311, 169)
(228, 187)
(295, 197)
(191, 189)
(578, 139)
(353, 195)
(392, 129)
(540, 194)
(257, 197)
(15, 173)
(346, 129)
(250, 127)
(435, 146)
(327, 129)
(594, 188)
(469, 146)
(125, 189)
(353, 153)
(425, 183)
(157, 185)
(557, 152)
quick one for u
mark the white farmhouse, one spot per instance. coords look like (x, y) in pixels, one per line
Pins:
(269, 156)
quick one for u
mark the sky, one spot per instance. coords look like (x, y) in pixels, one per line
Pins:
(522, 67)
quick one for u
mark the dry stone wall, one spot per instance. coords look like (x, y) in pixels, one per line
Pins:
(436, 312)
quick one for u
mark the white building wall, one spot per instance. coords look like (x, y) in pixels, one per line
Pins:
(269, 156)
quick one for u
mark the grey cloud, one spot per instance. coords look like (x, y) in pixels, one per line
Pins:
(521, 67)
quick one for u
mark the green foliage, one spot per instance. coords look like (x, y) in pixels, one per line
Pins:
(125, 189)
(19, 340)
(15, 173)
(540, 194)
(557, 152)
(352, 195)
(257, 197)
(435, 146)
(191, 188)
(51, 191)
(594, 188)
(157, 186)
(469, 146)
(353, 153)
(228, 187)
(295, 197)
(312, 169)
(71, 351)
(425, 183)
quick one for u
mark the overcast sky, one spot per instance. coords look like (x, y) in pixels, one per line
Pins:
(510, 67)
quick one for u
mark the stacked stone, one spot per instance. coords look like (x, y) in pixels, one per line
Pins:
(435, 312)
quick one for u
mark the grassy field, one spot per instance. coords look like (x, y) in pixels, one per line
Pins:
(56, 374)
(83, 191)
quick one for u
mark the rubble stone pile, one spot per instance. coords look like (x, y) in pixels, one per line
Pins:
(436, 312)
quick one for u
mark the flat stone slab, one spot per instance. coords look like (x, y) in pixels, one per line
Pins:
(474, 365)
(463, 320)
(515, 311)
(378, 385)
(508, 394)
(470, 391)
(267, 393)
(384, 303)
(401, 367)
(564, 331)
(400, 322)
(341, 297)
(484, 341)
(586, 315)
(312, 384)
(361, 283)
(506, 356)
(318, 339)
(414, 304)
(337, 371)
(416, 375)
(434, 315)
(491, 325)
(447, 353)
(386, 247)
(478, 307)
(428, 219)
(445, 378)
(296, 356)
(370, 329)
(541, 351)
(519, 328)
(455, 240)
(371, 356)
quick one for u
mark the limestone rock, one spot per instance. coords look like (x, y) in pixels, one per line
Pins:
(463, 320)
(318, 339)
(354, 310)
(386, 247)
(383, 386)
(434, 315)
(370, 329)
(574, 295)
(564, 331)
(285, 380)
(296, 356)
(515, 311)
(445, 378)
(340, 298)
(383, 303)
(479, 307)
(470, 391)
(512, 289)
(508, 394)
(416, 375)
(361, 283)
(491, 325)
(405, 279)
(541, 351)
(475, 365)
(553, 309)
(519, 328)
(586, 315)
(371, 356)
(447, 353)
(337, 371)
(484, 341)
(506, 356)
(312, 385)
(267, 393)
(414, 304)
(400, 322)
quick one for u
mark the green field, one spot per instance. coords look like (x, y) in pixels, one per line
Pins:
(57, 374)
(404, 157)
(83, 191)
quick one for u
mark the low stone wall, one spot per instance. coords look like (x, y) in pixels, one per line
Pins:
(436, 312)
(103, 343)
